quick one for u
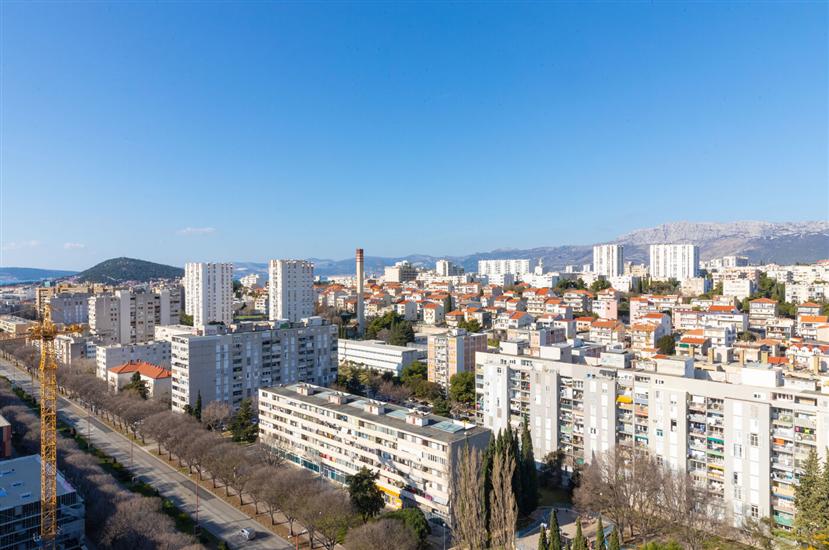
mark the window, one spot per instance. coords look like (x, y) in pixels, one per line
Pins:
(755, 511)
(673, 425)
(754, 440)
(738, 450)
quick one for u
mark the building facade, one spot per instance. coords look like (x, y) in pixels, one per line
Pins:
(376, 355)
(231, 365)
(336, 434)
(453, 352)
(674, 261)
(130, 316)
(609, 260)
(516, 268)
(208, 292)
(290, 290)
(743, 435)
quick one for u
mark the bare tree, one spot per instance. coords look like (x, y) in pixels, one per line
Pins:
(297, 488)
(384, 533)
(215, 415)
(335, 516)
(271, 450)
(688, 509)
(503, 510)
(604, 489)
(468, 500)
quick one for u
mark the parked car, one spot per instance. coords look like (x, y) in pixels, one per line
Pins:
(247, 534)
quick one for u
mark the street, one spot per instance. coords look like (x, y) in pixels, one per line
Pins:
(215, 515)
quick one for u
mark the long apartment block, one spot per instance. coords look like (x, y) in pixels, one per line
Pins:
(743, 432)
(336, 434)
(230, 365)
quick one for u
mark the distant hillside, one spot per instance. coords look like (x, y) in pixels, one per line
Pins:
(12, 275)
(118, 270)
(762, 242)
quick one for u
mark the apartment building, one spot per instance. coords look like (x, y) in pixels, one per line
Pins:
(742, 432)
(609, 260)
(607, 332)
(14, 325)
(252, 281)
(400, 272)
(290, 290)
(20, 508)
(232, 364)
(453, 352)
(336, 434)
(130, 316)
(107, 357)
(674, 261)
(496, 268)
(69, 308)
(761, 311)
(738, 288)
(445, 268)
(376, 355)
(208, 292)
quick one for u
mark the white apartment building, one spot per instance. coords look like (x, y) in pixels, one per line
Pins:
(157, 352)
(130, 316)
(400, 272)
(445, 268)
(290, 290)
(376, 355)
(231, 365)
(738, 288)
(69, 308)
(517, 268)
(744, 433)
(14, 325)
(453, 352)
(208, 292)
(674, 261)
(609, 260)
(336, 434)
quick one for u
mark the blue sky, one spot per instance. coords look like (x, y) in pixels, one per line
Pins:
(225, 131)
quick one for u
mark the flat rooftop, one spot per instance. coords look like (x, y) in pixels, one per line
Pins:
(439, 428)
(20, 482)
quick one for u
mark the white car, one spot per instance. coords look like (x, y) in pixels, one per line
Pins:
(247, 534)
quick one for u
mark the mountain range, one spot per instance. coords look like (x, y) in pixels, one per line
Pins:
(761, 242)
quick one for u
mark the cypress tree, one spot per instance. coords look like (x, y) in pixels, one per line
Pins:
(614, 543)
(542, 539)
(555, 532)
(197, 408)
(579, 543)
(529, 475)
(486, 470)
(600, 535)
(808, 501)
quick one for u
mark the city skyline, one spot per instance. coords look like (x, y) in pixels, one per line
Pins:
(292, 131)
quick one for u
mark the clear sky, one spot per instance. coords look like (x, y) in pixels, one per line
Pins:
(241, 132)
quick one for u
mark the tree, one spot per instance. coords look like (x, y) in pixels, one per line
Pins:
(666, 345)
(414, 520)
(600, 534)
(462, 388)
(137, 385)
(503, 508)
(441, 407)
(555, 532)
(215, 415)
(401, 334)
(242, 425)
(185, 319)
(528, 495)
(599, 285)
(579, 542)
(615, 543)
(416, 371)
(197, 408)
(366, 497)
(383, 533)
(471, 326)
(811, 500)
(542, 539)
(468, 500)
(335, 514)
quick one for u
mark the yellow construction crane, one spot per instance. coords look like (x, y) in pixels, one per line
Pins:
(46, 331)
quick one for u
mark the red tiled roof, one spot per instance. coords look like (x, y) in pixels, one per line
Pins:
(145, 369)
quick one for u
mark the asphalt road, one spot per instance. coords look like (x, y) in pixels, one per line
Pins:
(215, 515)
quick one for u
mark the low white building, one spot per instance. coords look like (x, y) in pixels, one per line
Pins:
(157, 380)
(156, 352)
(413, 453)
(376, 355)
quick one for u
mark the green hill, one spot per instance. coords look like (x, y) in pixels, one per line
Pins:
(118, 270)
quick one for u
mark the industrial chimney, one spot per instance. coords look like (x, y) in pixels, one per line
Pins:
(361, 318)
